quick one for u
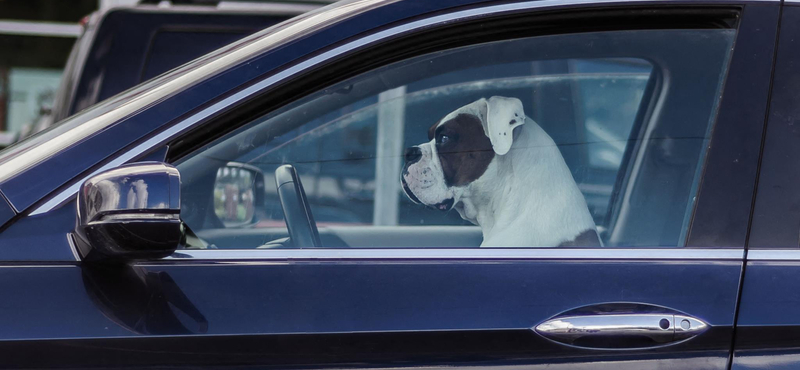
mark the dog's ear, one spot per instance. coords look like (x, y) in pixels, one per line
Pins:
(502, 116)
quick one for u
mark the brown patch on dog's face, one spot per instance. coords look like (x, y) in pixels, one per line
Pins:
(463, 148)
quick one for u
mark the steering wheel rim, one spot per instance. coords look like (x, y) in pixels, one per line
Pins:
(296, 211)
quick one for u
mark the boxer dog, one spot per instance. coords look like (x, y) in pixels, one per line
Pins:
(502, 172)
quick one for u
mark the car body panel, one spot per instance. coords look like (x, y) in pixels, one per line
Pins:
(768, 326)
(352, 308)
(6, 211)
(447, 312)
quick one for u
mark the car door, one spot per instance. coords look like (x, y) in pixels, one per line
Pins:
(663, 148)
(767, 327)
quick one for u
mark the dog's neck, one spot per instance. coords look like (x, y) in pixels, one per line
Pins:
(527, 197)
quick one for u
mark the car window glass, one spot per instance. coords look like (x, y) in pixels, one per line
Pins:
(171, 48)
(589, 139)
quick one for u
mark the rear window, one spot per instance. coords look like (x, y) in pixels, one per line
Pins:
(132, 46)
(171, 48)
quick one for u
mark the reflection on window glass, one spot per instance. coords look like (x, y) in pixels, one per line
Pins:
(544, 141)
(233, 195)
(609, 106)
(31, 92)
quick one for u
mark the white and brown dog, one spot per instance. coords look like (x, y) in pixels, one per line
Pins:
(514, 184)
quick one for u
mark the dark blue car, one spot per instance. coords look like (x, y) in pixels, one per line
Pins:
(330, 193)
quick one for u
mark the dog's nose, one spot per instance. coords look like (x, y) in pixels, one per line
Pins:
(413, 154)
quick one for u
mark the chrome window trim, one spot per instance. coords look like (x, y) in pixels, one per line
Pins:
(175, 130)
(773, 255)
(324, 254)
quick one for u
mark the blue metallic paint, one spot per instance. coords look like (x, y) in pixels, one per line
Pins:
(479, 300)
(351, 313)
(40, 238)
(768, 330)
(6, 211)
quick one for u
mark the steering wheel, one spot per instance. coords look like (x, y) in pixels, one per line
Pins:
(299, 220)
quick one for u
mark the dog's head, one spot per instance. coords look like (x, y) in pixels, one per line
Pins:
(461, 147)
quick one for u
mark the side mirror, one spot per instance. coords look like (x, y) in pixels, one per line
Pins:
(130, 213)
(238, 190)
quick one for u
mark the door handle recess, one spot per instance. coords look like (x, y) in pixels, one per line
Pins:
(621, 330)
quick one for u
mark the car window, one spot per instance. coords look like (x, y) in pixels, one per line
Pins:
(588, 139)
(171, 48)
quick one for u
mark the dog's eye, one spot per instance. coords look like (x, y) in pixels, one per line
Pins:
(444, 139)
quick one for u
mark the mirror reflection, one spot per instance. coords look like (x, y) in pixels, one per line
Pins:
(235, 193)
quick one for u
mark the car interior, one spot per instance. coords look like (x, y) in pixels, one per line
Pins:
(630, 113)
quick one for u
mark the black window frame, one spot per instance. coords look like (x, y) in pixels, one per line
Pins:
(776, 217)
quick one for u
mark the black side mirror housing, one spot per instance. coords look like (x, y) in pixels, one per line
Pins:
(129, 213)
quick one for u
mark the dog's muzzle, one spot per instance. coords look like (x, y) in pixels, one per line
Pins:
(406, 190)
(412, 155)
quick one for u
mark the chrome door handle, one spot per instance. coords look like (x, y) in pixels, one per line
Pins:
(659, 328)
